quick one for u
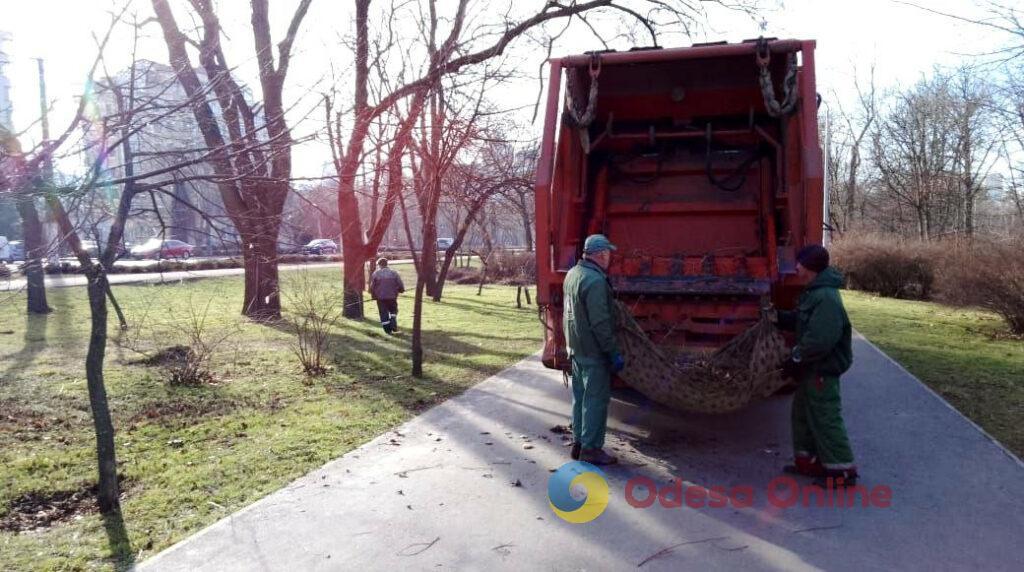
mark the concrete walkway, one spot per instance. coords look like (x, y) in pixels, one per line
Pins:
(440, 492)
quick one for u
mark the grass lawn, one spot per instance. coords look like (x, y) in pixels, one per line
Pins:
(191, 455)
(965, 356)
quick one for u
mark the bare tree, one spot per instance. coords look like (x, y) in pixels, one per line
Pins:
(114, 136)
(496, 170)
(519, 192)
(859, 126)
(976, 151)
(999, 16)
(253, 162)
(25, 175)
(468, 42)
(913, 148)
(19, 178)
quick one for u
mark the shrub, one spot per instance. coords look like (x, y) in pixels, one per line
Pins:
(502, 267)
(464, 275)
(988, 275)
(512, 267)
(303, 259)
(192, 366)
(316, 312)
(194, 338)
(887, 266)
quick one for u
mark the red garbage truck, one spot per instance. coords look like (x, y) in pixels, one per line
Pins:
(702, 164)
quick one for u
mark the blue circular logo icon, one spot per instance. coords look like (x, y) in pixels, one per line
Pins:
(578, 492)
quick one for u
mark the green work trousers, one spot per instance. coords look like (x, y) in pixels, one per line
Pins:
(591, 392)
(818, 428)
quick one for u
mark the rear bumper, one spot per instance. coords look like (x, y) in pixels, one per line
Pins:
(691, 285)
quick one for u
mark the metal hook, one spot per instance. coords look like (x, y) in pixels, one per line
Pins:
(762, 53)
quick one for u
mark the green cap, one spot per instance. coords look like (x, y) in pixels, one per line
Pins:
(597, 243)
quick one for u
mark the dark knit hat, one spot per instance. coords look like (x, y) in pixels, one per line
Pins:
(813, 257)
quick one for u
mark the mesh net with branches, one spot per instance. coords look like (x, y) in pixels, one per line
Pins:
(747, 368)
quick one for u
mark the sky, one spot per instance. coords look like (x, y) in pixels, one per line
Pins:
(902, 42)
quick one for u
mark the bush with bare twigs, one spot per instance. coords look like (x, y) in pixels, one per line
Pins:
(192, 367)
(988, 275)
(508, 267)
(888, 267)
(315, 312)
(187, 362)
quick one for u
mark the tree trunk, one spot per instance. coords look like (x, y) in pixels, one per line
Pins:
(417, 329)
(527, 227)
(106, 455)
(483, 275)
(452, 252)
(262, 294)
(969, 214)
(121, 321)
(408, 235)
(354, 284)
(35, 249)
(353, 251)
(428, 258)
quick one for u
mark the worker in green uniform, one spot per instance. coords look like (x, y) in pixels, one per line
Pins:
(822, 353)
(589, 325)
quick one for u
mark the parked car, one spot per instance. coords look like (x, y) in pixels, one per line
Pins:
(17, 250)
(320, 246)
(443, 244)
(93, 250)
(5, 250)
(156, 248)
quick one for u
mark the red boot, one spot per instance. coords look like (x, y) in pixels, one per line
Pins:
(805, 465)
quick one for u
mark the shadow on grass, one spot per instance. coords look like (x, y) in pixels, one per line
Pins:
(482, 306)
(380, 363)
(34, 343)
(117, 537)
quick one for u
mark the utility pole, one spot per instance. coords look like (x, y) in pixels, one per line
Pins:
(47, 174)
(31, 230)
(5, 86)
(44, 122)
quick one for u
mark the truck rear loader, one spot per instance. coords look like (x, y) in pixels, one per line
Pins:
(702, 164)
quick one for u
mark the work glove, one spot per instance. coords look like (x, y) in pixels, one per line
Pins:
(792, 367)
(618, 363)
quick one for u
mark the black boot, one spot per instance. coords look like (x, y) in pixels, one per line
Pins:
(841, 478)
(597, 457)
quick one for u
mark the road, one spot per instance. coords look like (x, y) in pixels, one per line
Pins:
(69, 280)
(464, 486)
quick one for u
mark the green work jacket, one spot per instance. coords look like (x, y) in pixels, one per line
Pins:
(589, 314)
(823, 332)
